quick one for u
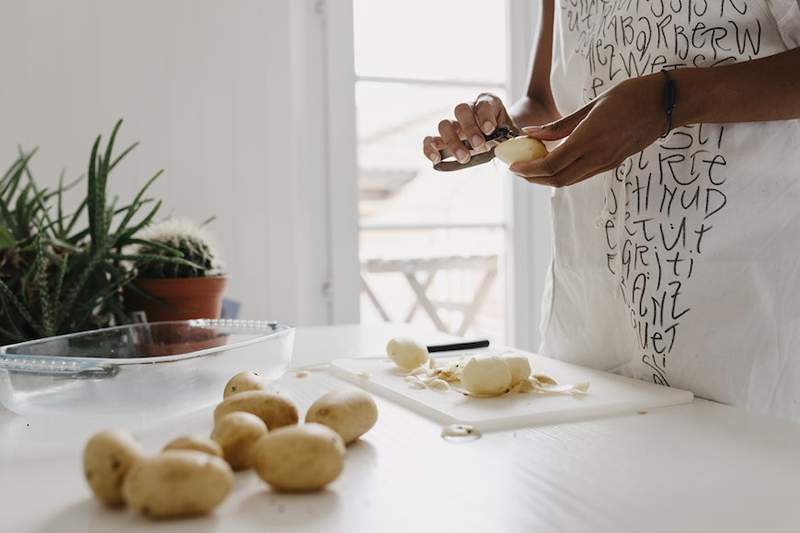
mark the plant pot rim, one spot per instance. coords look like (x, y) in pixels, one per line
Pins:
(180, 280)
(188, 277)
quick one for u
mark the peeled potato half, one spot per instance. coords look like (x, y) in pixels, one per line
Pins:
(520, 149)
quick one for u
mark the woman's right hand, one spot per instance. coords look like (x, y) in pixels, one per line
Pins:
(472, 122)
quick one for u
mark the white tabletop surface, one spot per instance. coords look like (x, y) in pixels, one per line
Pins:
(699, 467)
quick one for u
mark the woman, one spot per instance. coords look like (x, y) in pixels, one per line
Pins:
(676, 208)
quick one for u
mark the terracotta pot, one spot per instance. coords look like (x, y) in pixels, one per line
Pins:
(178, 298)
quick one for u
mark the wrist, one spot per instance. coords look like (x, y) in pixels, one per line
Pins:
(691, 98)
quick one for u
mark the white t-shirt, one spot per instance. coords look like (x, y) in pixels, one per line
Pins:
(705, 294)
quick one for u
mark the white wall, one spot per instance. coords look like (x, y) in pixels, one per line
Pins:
(216, 93)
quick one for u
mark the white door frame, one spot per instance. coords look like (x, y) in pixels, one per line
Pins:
(326, 129)
(343, 258)
(529, 213)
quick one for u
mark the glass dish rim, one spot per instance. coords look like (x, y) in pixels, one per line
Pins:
(271, 328)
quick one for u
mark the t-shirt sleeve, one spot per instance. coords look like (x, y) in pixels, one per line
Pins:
(787, 15)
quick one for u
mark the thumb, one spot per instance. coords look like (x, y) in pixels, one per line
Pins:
(558, 129)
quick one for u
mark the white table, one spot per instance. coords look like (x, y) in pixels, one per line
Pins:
(699, 467)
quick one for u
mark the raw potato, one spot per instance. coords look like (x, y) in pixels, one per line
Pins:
(237, 433)
(486, 376)
(520, 149)
(276, 411)
(107, 459)
(350, 413)
(299, 458)
(178, 483)
(519, 366)
(193, 442)
(407, 353)
(242, 382)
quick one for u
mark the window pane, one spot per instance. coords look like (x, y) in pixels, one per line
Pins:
(397, 182)
(424, 39)
(464, 260)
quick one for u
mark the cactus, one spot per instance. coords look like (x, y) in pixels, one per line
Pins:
(177, 238)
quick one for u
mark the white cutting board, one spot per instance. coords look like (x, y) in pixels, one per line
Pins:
(608, 395)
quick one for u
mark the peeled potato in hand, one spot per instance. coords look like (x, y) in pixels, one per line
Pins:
(520, 149)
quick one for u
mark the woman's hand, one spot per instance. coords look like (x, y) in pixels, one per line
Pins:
(472, 122)
(601, 135)
(475, 120)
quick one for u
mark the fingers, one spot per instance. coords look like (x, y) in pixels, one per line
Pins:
(584, 167)
(449, 133)
(488, 112)
(466, 119)
(551, 164)
(472, 122)
(561, 127)
(431, 147)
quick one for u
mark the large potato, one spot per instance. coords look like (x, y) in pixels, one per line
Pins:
(519, 366)
(243, 382)
(193, 442)
(408, 354)
(178, 483)
(237, 433)
(520, 149)
(350, 413)
(276, 411)
(299, 458)
(107, 459)
(486, 376)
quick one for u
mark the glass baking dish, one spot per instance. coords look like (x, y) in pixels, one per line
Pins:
(156, 368)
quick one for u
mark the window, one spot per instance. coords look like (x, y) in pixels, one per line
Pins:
(433, 246)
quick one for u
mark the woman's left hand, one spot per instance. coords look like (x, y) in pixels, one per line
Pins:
(601, 135)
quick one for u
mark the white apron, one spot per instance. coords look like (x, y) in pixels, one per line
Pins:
(700, 287)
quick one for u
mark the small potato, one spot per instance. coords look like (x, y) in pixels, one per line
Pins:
(407, 353)
(276, 411)
(350, 413)
(193, 442)
(299, 458)
(519, 366)
(242, 382)
(486, 376)
(237, 433)
(178, 483)
(520, 149)
(107, 459)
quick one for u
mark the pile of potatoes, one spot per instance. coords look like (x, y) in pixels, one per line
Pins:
(253, 428)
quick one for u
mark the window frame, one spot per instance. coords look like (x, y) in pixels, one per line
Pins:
(527, 221)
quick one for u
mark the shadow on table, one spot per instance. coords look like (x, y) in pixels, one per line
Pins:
(87, 515)
(270, 508)
(362, 453)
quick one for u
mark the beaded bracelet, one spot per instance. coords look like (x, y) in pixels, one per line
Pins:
(669, 99)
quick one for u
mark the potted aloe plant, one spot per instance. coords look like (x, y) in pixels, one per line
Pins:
(183, 290)
(64, 270)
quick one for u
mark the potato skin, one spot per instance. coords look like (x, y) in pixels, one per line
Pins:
(299, 458)
(193, 442)
(107, 458)
(237, 433)
(243, 382)
(177, 483)
(349, 412)
(276, 411)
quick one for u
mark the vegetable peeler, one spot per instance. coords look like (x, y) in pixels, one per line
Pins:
(499, 135)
